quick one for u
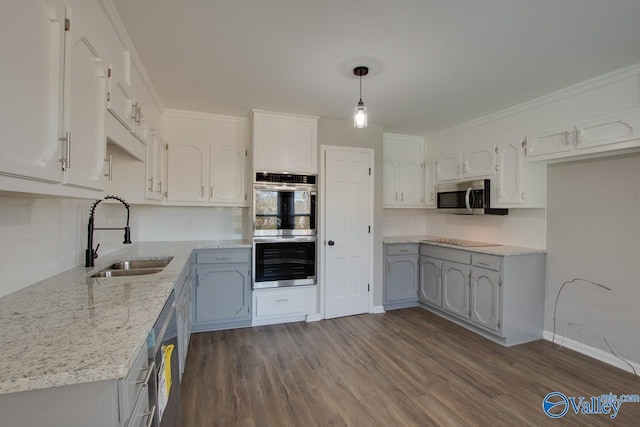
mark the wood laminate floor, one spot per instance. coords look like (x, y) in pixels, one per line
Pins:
(405, 367)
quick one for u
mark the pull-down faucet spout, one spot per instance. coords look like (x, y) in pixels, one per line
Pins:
(91, 254)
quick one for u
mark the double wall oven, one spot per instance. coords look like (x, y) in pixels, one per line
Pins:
(284, 229)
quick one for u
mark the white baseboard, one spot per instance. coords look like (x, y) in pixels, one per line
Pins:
(314, 317)
(377, 309)
(590, 351)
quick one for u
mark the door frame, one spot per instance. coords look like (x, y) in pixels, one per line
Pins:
(322, 224)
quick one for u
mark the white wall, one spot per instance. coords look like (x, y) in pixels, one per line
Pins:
(41, 237)
(594, 233)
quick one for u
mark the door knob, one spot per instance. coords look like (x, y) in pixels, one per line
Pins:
(331, 243)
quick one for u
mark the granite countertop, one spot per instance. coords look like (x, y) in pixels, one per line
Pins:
(72, 328)
(503, 250)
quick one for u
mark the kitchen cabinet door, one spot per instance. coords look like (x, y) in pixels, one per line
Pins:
(410, 183)
(430, 281)
(449, 167)
(84, 105)
(227, 182)
(390, 176)
(485, 298)
(429, 198)
(552, 141)
(510, 173)
(402, 279)
(223, 294)
(610, 129)
(30, 84)
(455, 288)
(188, 171)
(479, 161)
(285, 142)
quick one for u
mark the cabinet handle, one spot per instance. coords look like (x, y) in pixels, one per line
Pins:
(282, 300)
(403, 250)
(432, 196)
(222, 258)
(150, 369)
(211, 192)
(202, 190)
(109, 173)
(134, 111)
(151, 184)
(160, 187)
(402, 197)
(483, 263)
(66, 161)
(149, 414)
(396, 196)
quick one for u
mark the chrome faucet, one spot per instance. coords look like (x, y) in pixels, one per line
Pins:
(91, 254)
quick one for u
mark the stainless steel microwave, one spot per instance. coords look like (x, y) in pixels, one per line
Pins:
(466, 198)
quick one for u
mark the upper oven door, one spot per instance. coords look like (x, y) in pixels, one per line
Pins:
(282, 210)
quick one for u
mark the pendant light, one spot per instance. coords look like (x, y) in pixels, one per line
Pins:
(360, 112)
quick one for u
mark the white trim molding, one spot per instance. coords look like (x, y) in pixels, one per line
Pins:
(590, 351)
(377, 309)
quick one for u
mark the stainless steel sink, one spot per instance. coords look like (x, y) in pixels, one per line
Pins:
(145, 263)
(134, 268)
(129, 272)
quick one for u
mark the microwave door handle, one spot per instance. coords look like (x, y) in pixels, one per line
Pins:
(466, 198)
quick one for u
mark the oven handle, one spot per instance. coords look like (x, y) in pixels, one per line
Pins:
(296, 239)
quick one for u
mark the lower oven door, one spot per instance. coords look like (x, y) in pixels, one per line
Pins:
(284, 262)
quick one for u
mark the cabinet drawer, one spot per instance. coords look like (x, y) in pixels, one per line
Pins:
(222, 257)
(446, 254)
(486, 261)
(277, 302)
(133, 384)
(403, 249)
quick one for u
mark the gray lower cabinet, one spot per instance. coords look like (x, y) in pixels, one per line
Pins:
(401, 277)
(183, 315)
(222, 291)
(113, 403)
(500, 297)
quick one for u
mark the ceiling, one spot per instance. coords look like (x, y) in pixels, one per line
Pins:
(433, 63)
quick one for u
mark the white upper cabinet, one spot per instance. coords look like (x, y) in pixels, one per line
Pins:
(510, 163)
(207, 158)
(227, 177)
(449, 166)
(429, 198)
(470, 163)
(188, 171)
(551, 141)
(610, 129)
(285, 143)
(520, 183)
(30, 84)
(403, 166)
(479, 161)
(84, 99)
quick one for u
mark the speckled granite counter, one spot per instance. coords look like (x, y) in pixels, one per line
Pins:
(72, 328)
(491, 250)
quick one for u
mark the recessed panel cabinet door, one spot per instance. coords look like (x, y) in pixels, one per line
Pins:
(85, 105)
(222, 293)
(228, 174)
(30, 84)
(411, 183)
(430, 284)
(390, 182)
(401, 279)
(485, 298)
(448, 167)
(480, 161)
(188, 171)
(510, 166)
(455, 288)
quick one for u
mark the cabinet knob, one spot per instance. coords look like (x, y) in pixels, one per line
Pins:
(331, 243)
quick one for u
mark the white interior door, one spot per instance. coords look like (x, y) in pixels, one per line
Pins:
(347, 234)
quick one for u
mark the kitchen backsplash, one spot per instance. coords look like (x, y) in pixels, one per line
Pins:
(522, 227)
(41, 237)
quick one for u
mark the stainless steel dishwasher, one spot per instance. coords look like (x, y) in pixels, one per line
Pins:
(165, 395)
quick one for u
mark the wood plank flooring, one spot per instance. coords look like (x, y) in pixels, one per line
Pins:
(402, 368)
